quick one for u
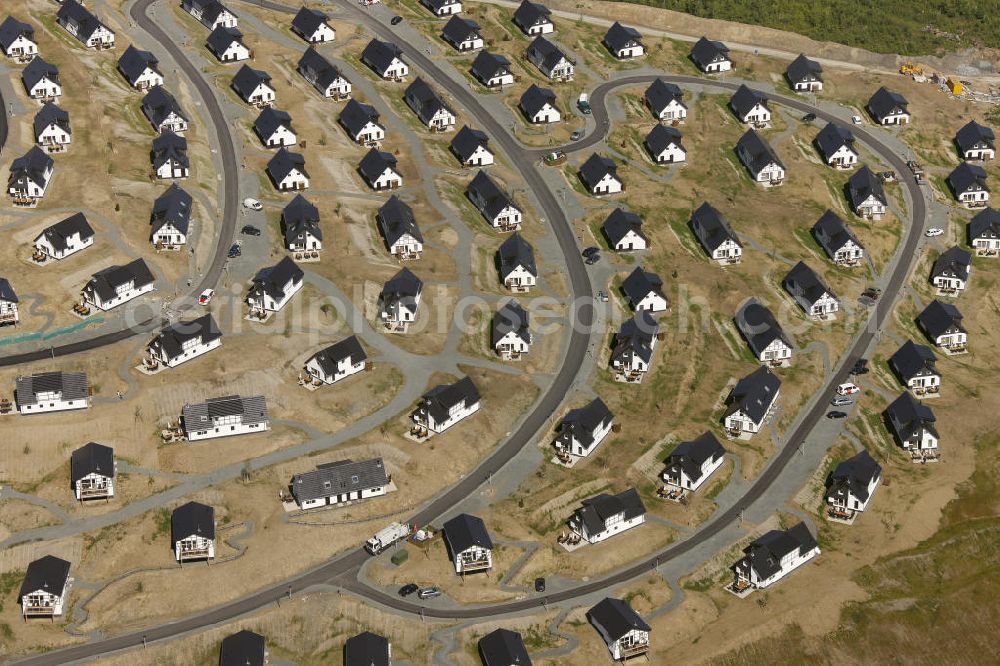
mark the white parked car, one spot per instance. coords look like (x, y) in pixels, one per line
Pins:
(933, 231)
(847, 389)
(856, 120)
(252, 204)
(206, 297)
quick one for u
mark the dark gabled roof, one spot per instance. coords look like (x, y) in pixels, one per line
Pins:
(72, 385)
(745, 99)
(246, 80)
(619, 36)
(347, 349)
(375, 162)
(596, 168)
(759, 152)
(47, 573)
(582, 422)
(662, 137)
(134, 62)
(270, 120)
(36, 70)
(535, 98)
(503, 647)
(640, 283)
(73, 13)
(464, 531)
(885, 102)
(954, 262)
(171, 338)
(832, 137)
(938, 318)
(495, 198)
(426, 99)
(244, 648)
(272, 280)
(314, 65)
(912, 359)
(487, 65)
(908, 417)
(92, 458)
(973, 135)
(759, 326)
(515, 252)
(105, 282)
(966, 177)
(170, 146)
(550, 55)
(596, 511)
(172, 207)
(691, 455)
(30, 166)
(307, 21)
(660, 94)
(192, 519)
(284, 162)
(222, 37)
(711, 228)
(396, 219)
(863, 184)
(854, 475)
(51, 114)
(805, 282)
(300, 218)
(635, 337)
(11, 29)
(753, 394)
(467, 141)
(706, 51)
(201, 415)
(619, 223)
(401, 291)
(530, 13)
(366, 649)
(379, 54)
(765, 552)
(440, 399)
(59, 232)
(802, 70)
(833, 233)
(159, 104)
(510, 318)
(616, 617)
(339, 478)
(458, 29)
(7, 292)
(356, 115)
(985, 224)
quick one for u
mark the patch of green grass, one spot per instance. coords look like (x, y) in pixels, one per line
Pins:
(9, 582)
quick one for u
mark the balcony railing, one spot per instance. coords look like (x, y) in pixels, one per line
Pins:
(634, 650)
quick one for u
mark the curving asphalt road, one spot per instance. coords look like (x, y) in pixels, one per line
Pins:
(344, 568)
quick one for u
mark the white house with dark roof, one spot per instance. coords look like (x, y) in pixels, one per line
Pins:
(494, 204)
(623, 231)
(534, 18)
(812, 294)
(78, 21)
(183, 341)
(750, 403)
(984, 233)
(52, 392)
(338, 361)
(510, 333)
(210, 13)
(503, 647)
(750, 107)
(116, 285)
(539, 105)
(771, 557)
(41, 80)
(163, 111)
(8, 304)
(837, 240)
(759, 158)
(762, 332)
(170, 219)
(469, 544)
(323, 75)
(399, 229)
(140, 68)
(192, 531)
(600, 175)
(916, 367)
(287, 171)
(632, 354)
(866, 194)
(622, 629)
(65, 237)
(691, 463)
(226, 44)
(442, 8)
(340, 482)
(942, 323)
(386, 60)
(804, 75)
(312, 25)
(604, 516)
(888, 107)
(273, 287)
(44, 588)
(583, 429)
(92, 472)
(836, 146)
(17, 40)
(665, 101)
(361, 123)
(253, 86)
(664, 145)
(471, 147)
(974, 141)
(913, 424)
(170, 157)
(710, 56)
(430, 108)
(716, 235)
(445, 405)
(52, 129)
(399, 301)
(550, 60)
(623, 42)
(225, 416)
(274, 128)
(951, 271)
(852, 484)
(462, 33)
(30, 176)
(644, 291)
(516, 262)
(968, 183)
(379, 170)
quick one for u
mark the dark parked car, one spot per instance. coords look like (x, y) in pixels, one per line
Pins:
(872, 293)
(396, 20)
(592, 259)
(590, 251)
(235, 251)
(861, 367)
(809, 117)
(408, 589)
(836, 415)
(539, 585)
(250, 230)
(576, 135)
